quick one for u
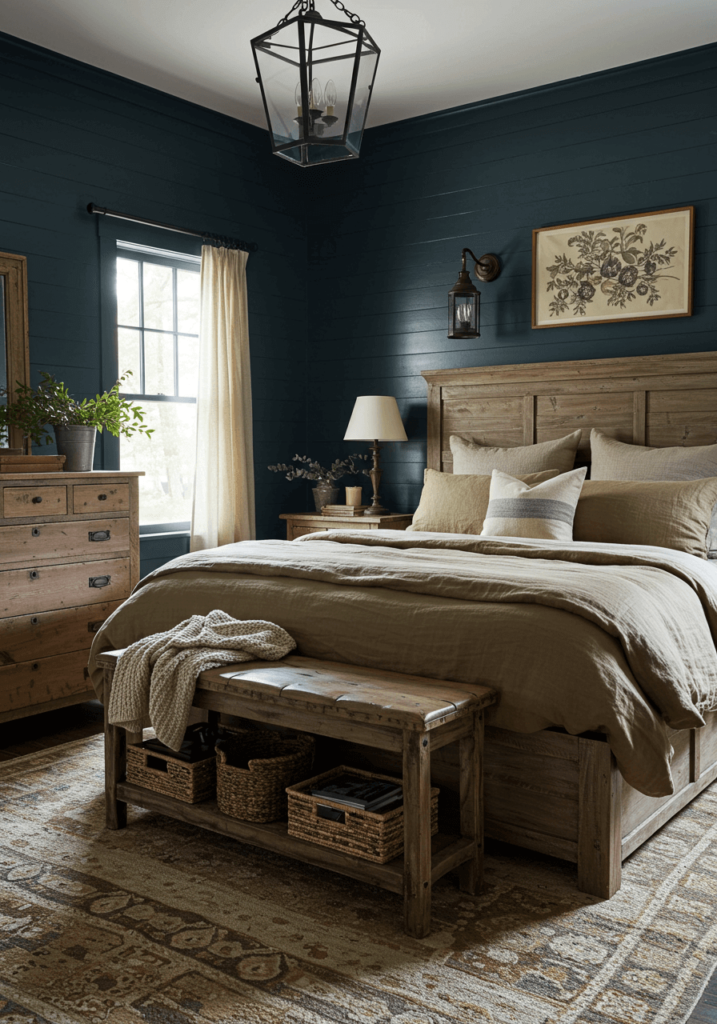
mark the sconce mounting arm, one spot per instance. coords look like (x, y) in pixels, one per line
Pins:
(487, 268)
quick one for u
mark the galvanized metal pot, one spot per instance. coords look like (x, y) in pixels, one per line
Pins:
(77, 444)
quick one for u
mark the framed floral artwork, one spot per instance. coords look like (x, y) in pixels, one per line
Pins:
(636, 267)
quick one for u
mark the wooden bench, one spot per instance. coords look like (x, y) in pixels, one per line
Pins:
(404, 714)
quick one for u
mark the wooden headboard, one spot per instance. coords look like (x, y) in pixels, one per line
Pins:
(651, 400)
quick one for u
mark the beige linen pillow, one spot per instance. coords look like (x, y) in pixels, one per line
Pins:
(666, 514)
(471, 457)
(615, 460)
(458, 504)
(542, 511)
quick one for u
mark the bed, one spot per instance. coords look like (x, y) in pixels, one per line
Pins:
(546, 790)
(559, 794)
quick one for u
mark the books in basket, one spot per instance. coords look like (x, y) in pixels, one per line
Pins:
(359, 792)
(343, 510)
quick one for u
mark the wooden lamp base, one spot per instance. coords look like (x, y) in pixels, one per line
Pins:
(376, 508)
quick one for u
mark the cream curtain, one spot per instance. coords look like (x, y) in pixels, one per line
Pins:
(223, 509)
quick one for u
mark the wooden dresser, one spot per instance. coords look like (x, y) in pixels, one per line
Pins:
(299, 523)
(69, 555)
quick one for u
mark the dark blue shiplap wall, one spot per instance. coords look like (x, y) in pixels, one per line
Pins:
(366, 311)
(71, 134)
(638, 138)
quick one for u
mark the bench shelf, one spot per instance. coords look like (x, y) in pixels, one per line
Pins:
(448, 851)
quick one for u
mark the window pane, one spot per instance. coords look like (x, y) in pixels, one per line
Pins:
(188, 358)
(188, 301)
(158, 305)
(167, 459)
(158, 363)
(128, 358)
(128, 292)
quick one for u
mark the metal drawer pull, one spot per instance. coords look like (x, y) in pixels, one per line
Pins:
(34, 620)
(99, 535)
(37, 500)
(100, 581)
(34, 574)
(102, 497)
(92, 627)
(35, 531)
(35, 666)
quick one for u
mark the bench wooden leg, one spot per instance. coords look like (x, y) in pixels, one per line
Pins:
(115, 763)
(417, 834)
(470, 874)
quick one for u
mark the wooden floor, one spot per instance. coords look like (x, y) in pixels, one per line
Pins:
(40, 732)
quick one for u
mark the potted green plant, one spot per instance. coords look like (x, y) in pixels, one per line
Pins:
(325, 492)
(75, 424)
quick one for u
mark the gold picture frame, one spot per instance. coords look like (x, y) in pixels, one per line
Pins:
(613, 269)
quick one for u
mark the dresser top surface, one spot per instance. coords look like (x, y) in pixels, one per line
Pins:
(99, 474)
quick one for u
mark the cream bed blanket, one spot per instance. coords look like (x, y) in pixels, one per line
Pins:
(590, 637)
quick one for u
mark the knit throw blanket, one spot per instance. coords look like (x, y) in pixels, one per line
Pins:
(155, 678)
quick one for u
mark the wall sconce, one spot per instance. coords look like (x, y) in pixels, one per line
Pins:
(464, 297)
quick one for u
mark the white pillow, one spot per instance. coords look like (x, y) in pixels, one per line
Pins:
(542, 511)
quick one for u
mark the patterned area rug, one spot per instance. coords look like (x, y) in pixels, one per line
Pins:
(167, 924)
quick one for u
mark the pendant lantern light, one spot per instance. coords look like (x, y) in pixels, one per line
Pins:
(316, 78)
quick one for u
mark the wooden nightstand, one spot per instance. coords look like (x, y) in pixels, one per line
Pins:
(299, 523)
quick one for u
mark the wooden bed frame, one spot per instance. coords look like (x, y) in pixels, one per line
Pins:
(548, 791)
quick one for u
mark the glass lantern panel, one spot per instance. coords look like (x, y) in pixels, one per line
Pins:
(464, 315)
(364, 81)
(279, 69)
(331, 59)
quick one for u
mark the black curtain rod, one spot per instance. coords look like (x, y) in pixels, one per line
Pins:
(229, 243)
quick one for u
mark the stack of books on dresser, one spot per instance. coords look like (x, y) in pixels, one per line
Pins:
(343, 510)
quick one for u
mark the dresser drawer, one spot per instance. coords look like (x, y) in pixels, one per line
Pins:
(34, 501)
(46, 679)
(90, 538)
(101, 498)
(23, 637)
(63, 586)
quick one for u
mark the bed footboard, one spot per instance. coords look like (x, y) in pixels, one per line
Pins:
(563, 795)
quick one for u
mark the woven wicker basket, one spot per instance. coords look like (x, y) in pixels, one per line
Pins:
(369, 835)
(189, 782)
(274, 761)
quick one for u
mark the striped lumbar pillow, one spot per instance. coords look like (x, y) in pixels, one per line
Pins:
(544, 511)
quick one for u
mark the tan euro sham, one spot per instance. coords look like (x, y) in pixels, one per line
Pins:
(458, 504)
(668, 514)
(616, 460)
(477, 459)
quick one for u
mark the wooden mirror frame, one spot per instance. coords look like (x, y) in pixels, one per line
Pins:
(14, 270)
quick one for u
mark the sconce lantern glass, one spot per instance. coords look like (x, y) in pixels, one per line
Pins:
(464, 297)
(316, 78)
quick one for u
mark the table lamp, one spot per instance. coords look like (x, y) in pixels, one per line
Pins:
(375, 418)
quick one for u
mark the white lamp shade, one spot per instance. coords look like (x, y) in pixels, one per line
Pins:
(375, 418)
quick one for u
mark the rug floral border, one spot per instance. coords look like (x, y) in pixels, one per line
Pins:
(613, 269)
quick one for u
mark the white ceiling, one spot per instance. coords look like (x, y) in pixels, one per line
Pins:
(435, 53)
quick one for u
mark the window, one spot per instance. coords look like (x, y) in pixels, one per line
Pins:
(158, 340)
